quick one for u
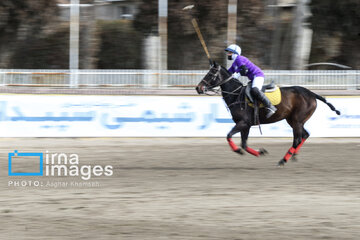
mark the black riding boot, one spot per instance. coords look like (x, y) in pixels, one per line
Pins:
(261, 97)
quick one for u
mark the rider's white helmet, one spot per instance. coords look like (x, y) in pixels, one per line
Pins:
(235, 49)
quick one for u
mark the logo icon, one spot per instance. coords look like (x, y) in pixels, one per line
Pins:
(23, 159)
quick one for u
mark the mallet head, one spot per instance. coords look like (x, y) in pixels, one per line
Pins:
(189, 7)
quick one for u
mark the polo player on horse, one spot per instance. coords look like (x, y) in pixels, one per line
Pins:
(246, 68)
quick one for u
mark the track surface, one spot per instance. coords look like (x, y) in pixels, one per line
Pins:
(188, 189)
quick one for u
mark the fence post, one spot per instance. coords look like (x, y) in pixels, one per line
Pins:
(74, 43)
(74, 78)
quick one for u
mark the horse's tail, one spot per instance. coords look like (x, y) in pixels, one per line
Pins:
(327, 103)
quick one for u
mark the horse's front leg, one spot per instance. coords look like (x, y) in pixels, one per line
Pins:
(237, 128)
(244, 137)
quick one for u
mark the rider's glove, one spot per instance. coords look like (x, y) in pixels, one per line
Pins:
(236, 75)
(243, 70)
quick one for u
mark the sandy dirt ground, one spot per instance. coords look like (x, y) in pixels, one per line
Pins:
(185, 188)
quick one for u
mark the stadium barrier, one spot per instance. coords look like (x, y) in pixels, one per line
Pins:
(173, 79)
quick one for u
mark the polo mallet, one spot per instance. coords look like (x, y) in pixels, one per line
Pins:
(196, 26)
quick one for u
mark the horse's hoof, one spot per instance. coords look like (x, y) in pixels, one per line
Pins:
(281, 163)
(239, 151)
(263, 151)
(294, 158)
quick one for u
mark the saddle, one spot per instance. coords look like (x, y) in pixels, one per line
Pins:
(272, 92)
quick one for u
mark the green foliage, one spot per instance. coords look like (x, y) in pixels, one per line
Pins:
(19, 13)
(20, 21)
(333, 16)
(184, 48)
(146, 20)
(45, 52)
(120, 45)
(31, 37)
(336, 32)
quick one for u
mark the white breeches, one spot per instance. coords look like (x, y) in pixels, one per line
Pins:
(258, 82)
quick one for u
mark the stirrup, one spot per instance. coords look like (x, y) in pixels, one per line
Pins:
(270, 111)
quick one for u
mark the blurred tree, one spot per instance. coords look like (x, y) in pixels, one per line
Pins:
(31, 36)
(20, 19)
(336, 37)
(184, 48)
(45, 44)
(120, 45)
(254, 31)
(49, 51)
(146, 21)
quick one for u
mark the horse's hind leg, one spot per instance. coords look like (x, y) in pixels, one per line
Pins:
(298, 132)
(304, 136)
(296, 120)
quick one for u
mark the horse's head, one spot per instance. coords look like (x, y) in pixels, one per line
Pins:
(212, 79)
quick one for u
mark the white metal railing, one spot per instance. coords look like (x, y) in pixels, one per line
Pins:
(314, 79)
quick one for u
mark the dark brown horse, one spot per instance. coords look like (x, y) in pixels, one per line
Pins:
(297, 106)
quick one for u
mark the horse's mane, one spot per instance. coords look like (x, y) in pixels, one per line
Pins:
(225, 69)
(229, 74)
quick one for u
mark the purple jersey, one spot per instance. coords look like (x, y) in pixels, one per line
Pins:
(253, 69)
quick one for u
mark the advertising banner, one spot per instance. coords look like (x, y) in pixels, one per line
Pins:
(153, 116)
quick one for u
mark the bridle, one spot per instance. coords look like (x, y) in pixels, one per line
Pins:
(214, 76)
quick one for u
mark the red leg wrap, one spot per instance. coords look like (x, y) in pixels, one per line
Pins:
(252, 151)
(299, 146)
(232, 144)
(289, 154)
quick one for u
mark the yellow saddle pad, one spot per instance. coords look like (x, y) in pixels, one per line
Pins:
(273, 96)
